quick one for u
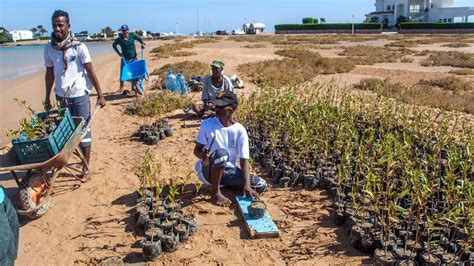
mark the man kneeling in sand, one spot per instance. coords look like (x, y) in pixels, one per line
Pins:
(212, 86)
(219, 143)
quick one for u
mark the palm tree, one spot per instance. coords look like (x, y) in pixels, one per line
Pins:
(43, 30)
(40, 27)
(34, 30)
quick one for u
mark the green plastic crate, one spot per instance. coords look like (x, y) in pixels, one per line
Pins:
(40, 150)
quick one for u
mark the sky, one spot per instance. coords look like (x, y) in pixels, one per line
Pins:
(181, 15)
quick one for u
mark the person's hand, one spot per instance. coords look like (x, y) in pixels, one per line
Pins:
(206, 157)
(47, 104)
(250, 191)
(101, 101)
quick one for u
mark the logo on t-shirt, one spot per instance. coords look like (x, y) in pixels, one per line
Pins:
(72, 58)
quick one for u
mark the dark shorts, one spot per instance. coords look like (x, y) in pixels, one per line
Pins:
(8, 232)
(232, 177)
(79, 106)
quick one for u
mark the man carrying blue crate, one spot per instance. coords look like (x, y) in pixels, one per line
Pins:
(126, 41)
(69, 67)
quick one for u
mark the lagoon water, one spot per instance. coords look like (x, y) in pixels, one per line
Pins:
(17, 61)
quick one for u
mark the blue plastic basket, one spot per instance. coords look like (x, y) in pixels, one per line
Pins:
(40, 150)
(134, 70)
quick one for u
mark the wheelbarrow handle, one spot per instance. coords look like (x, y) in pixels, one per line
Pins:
(89, 121)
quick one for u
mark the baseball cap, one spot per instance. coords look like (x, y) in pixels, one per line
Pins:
(217, 63)
(124, 27)
(224, 99)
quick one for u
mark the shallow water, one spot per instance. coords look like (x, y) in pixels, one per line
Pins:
(18, 61)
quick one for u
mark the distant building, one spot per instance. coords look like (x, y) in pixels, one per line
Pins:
(253, 28)
(418, 11)
(21, 35)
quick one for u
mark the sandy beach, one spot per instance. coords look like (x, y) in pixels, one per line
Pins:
(94, 222)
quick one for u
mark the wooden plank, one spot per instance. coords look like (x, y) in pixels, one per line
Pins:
(257, 228)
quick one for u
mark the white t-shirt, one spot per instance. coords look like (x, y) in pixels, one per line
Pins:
(75, 78)
(234, 139)
(209, 92)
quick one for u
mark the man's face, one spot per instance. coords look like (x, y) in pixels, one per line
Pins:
(60, 27)
(125, 33)
(216, 71)
(224, 111)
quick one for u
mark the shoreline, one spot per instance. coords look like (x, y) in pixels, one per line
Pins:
(30, 88)
(41, 42)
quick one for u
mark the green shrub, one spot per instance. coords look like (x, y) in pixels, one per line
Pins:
(310, 21)
(429, 25)
(338, 26)
(156, 104)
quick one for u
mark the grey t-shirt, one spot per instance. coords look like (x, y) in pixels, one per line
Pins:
(209, 92)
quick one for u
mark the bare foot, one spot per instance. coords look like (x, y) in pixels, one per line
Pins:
(221, 200)
(85, 176)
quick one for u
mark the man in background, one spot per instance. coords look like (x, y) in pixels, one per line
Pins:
(126, 41)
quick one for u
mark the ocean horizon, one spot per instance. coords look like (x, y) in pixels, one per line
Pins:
(17, 61)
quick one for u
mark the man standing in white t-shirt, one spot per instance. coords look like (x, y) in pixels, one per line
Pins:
(220, 143)
(211, 86)
(68, 66)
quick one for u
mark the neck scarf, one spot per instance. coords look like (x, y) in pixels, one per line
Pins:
(63, 45)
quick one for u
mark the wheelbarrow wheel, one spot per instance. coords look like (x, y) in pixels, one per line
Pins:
(32, 194)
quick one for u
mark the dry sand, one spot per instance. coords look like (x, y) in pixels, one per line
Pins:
(93, 222)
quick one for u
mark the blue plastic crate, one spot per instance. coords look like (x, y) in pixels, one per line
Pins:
(40, 150)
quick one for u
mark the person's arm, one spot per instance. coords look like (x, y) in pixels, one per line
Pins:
(244, 166)
(48, 77)
(48, 80)
(139, 39)
(93, 78)
(201, 153)
(244, 155)
(114, 45)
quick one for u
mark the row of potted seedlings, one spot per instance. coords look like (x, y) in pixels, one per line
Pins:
(402, 184)
(159, 212)
(152, 134)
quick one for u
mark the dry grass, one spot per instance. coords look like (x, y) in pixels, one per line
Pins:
(403, 43)
(406, 60)
(369, 55)
(256, 38)
(448, 83)
(422, 94)
(189, 68)
(454, 59)
(456, 45)
(156, 104)
(255, 46)
(174, 49)
(298, 66)
(462, 72)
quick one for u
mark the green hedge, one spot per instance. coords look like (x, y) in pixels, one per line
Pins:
(310, 21)
(339, 26)
(427, 25)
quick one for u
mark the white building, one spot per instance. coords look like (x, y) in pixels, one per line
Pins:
(253, 28)
(419, 11)
(21, 35)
